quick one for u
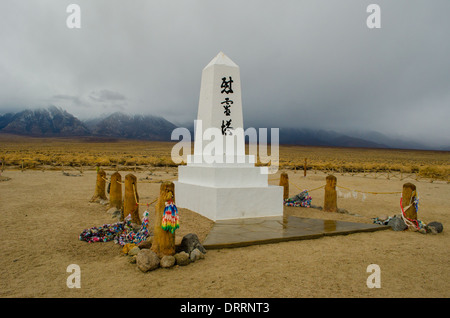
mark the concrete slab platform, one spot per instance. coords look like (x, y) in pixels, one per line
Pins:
(264, 230)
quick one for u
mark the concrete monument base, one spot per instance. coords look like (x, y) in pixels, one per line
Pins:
(223, 203)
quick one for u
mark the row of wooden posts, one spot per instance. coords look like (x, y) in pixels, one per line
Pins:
(330, 196)
(163, 242)
(130, 203)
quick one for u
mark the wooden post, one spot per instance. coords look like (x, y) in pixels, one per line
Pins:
(284, 182)
(330, 200)
(22, 165)
(304, 168)
(115, 192)
(163, 242)
(130, 202)
(99, 193)
(408, 195)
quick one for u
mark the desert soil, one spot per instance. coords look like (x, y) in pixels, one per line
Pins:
(43, 213)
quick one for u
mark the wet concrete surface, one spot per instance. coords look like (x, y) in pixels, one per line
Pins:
(264, 230)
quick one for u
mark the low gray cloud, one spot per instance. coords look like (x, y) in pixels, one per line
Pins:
(105, 95)
(61, 97)
(304, 63)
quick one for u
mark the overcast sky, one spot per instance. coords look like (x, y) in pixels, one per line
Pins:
(304, 64)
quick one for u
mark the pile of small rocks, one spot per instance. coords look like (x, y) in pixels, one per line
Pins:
(190, 250)
(397, 224)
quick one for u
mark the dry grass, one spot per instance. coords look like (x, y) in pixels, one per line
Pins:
(36, 153)
(432, 164)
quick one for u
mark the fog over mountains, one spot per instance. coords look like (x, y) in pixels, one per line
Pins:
(56, 122)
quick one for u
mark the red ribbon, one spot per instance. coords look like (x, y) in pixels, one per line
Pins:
(403, 212)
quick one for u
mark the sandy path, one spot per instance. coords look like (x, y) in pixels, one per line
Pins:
(42, 214)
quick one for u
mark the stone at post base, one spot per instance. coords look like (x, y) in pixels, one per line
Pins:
(167, 261)
(147, 260)
(189, 243)
(434, 227)
(397, 224)
(182, 258)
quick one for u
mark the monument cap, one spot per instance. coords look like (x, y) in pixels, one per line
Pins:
(221, 59)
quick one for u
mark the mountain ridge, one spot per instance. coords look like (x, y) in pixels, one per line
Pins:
(56, 122)
(50, 122)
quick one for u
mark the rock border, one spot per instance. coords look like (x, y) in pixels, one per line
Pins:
(189, 251)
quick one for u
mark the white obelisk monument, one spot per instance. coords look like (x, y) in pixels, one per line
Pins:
(223, 183)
